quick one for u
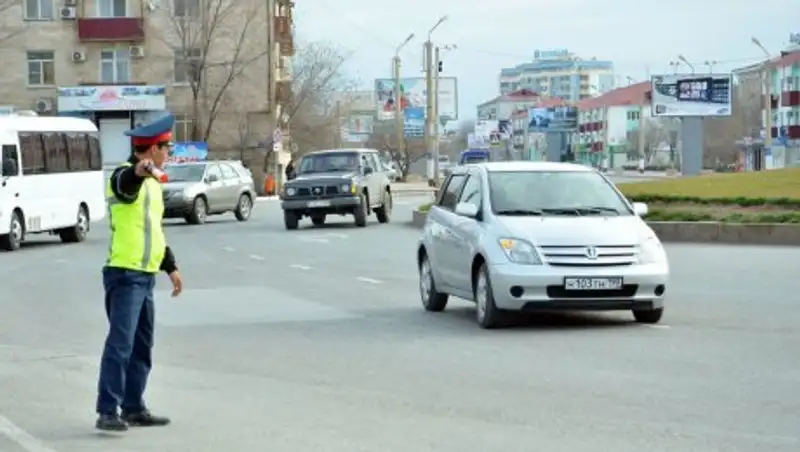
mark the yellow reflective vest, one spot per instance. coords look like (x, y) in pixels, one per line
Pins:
(137, 238)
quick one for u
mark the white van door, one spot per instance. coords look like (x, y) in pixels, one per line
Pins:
(9, 185)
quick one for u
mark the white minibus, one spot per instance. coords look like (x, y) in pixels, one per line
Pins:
(51, 179)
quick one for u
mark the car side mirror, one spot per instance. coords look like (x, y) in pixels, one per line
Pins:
(211, 178)
(640, 209)
(368, 170)
(466, 209)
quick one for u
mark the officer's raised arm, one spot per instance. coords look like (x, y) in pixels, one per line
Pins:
(125, 183)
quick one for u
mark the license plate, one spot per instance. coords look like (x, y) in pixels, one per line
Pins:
(593, 283)
(319, 204)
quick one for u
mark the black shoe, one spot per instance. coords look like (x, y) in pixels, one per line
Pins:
(111, 423)
(144, 419)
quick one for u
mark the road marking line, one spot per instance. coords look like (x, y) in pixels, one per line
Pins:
(300, 267)
(659, 327)
(368, 280)
(256, 257)
(15, 433)
(228, 248)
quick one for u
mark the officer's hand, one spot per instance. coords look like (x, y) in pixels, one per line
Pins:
(177, 283)
(141, 167)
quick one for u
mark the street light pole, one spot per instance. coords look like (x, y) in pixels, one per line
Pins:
(430, 96)
(398, 107)
(436, 113)
(767, 82)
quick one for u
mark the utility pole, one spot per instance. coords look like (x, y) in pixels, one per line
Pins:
(398, 105)
(435, 119)
(338, 124)
(430, 96)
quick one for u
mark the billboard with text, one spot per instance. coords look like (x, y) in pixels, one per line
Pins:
(691, 95)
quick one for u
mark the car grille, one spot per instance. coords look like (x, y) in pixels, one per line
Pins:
(576, 256)
(627, 291)
(318, 190)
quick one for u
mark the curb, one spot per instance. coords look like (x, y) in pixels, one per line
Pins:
(705, 232)
(413, 192)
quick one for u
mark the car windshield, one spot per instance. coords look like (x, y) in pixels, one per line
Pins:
(554, 193)
(185, 173)
(328, 161)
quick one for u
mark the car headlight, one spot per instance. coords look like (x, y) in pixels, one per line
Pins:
(520, 251)
(651, 251)
(344, 188)
(291, 191)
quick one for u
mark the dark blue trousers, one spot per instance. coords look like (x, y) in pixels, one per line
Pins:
(126, 361)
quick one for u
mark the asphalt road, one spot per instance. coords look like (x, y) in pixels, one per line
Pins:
(315, 340)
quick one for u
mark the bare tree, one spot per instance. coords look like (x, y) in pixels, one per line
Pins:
(214, 42)
(318, 82)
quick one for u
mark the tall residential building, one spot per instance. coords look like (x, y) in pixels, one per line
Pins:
(559, 74)
(124, 62)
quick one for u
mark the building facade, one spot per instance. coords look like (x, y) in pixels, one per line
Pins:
(124, 62)
(783, 73)
(503, 106)
(559, 74)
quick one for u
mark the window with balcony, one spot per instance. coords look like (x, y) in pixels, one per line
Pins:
(39, 10)
(187, 65)
(112, 8)
(186, 8)
(41, 68)
(115, 66)
(182, 130)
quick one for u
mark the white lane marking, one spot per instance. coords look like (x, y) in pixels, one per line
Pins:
(368, 280)
(300, 267)
(228, 249)
(266, 198)
(256, 257)
(15, 433)
(659, 327)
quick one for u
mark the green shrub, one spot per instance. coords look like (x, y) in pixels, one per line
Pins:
(733, 217)
(425, 207)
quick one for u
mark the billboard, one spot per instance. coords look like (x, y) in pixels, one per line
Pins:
(413, 95)
(691, 95)
(414, 122)
(188, 151)
(360, 124)
(562, 118)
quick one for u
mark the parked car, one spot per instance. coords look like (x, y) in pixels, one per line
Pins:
(341, 182)
(198, 189)
(522, 236)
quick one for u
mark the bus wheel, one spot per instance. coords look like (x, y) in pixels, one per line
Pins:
(78, 232)
(16, 233)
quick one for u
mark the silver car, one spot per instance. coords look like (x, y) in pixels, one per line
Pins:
(522, 236)
(199, 189)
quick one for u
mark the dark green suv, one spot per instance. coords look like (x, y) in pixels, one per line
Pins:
(342, 182)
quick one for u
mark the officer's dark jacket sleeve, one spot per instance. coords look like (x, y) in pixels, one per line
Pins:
(126, 185)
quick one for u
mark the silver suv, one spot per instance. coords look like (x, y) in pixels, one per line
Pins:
(198, 189)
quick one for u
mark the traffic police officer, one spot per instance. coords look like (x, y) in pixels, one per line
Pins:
(137, 253)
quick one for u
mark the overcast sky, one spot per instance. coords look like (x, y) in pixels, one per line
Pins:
(639, 36)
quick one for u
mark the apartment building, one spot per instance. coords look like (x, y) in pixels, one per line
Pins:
(559, 74)
(124, 62)
(783, 73)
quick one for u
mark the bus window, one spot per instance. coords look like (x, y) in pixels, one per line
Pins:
(32, 150)
(10, 161)
(55, 153)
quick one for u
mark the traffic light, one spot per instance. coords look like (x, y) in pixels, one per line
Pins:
(440, 66)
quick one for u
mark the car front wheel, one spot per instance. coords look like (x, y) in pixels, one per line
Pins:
(487, 313)
(290, 220)
(431, 299)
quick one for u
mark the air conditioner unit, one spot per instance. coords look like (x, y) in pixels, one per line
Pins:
(68, 13)
(78, 56)
(70, 2)
(137, 51)
(44, 105)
